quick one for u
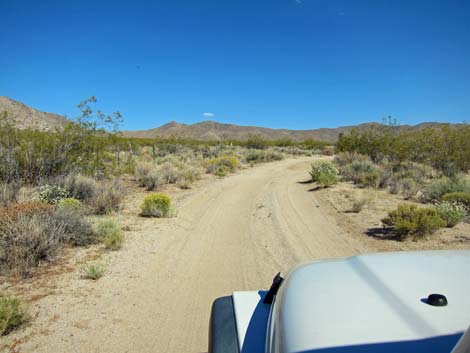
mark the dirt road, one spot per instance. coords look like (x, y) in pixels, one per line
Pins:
(234, 234)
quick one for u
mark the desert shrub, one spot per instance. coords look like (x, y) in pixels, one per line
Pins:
(69, 203)
(458, 197)
(358, 204)
(361, 171)
(188, 175)
(52, 194)
(108, 197)
(93, 270)
(8, 193)
(156, 205)
(169, 173)
(256, 142)
(76, 229)
(80, 187)
(27, 239)
(452, 213)
(12, 313)
(30, 233)
(411, 220)
(142, 172)
(325, 173)
(222, 165)
(111, 233)
(328, 151)
(344, 158)
(258, 156)
(445, 185)
(408, 187)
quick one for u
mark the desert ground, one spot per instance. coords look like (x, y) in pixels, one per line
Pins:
(229, 234)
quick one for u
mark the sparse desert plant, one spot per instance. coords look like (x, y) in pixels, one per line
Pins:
(411, 220)
(358, 204)
(51, 194)
(452, 213)
(188, 175)
(8, 193)
(109, 196)
(80, 187)
(12, 313)
(110, 232)
(324, 173)
(93, 270)
(69, 203)
(156, 205)
(361, 171)
(458, 197)
(408, 187)
(445, 185)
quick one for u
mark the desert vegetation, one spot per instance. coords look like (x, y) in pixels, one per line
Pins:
(427, 167)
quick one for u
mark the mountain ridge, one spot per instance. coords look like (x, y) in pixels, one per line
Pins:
(24, 116)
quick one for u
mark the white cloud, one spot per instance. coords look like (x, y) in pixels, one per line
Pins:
(208, 114)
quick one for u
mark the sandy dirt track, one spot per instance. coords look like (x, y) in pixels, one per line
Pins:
(234, 234)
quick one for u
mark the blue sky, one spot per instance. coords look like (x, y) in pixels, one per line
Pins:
(296, 64)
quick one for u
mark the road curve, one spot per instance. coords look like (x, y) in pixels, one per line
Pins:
(234, 234)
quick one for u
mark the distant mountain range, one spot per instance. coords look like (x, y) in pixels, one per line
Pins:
(24, 116)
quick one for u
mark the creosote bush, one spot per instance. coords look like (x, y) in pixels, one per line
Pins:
(324, 173)
(12, 313)
(110, 232)
(156, 205)
(452, 213)
(411, 220)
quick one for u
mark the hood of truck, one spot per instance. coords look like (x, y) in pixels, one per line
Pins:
(374, 303)
(367, 303)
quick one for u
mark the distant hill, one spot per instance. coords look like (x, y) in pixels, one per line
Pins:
(24, 117)
(211, 130)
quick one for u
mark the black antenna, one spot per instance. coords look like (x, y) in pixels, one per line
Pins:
(277, 281)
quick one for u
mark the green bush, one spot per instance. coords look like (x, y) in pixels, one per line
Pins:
(442, 186)
(222, 165)
(458, 197)
(156, 205)
(452, 213)
(70, 203)
(410, 220)
(361, 172)
(52, 194)
(111, 233)
(322, 168)
(12, 313)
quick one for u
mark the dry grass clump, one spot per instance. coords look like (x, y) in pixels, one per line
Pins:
(12, 313)
(110, 232)
(8, 193)
(358, 204)
(93, 270)
(80, 187)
